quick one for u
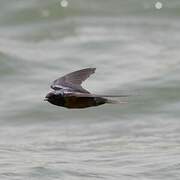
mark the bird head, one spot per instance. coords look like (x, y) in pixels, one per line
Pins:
(54, 98)
(50, 96)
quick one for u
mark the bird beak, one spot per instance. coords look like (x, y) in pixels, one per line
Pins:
(45, 99)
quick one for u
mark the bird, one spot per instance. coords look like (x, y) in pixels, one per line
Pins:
(68, 92)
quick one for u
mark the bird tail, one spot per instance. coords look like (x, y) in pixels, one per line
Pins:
(114, 96)
(111, 101)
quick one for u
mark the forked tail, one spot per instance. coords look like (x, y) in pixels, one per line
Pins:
(111, 101)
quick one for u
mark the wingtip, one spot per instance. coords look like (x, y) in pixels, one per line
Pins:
(91, 69)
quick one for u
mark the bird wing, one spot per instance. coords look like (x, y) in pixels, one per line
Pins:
(73, 80)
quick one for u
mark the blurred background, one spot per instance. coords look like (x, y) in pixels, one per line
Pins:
(134, 44)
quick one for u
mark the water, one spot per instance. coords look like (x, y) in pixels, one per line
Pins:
(135, 48)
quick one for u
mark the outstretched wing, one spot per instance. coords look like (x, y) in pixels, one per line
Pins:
(73, 80)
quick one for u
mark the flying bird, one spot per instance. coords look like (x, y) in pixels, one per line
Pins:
(68, 92)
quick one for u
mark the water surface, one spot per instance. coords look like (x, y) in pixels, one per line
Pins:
(135, 48)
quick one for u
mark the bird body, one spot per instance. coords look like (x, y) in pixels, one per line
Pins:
(69, 93)
(83, 102)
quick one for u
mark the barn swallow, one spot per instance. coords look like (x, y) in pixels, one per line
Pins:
(68, 92)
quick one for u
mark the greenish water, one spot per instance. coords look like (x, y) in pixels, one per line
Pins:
(135, 48)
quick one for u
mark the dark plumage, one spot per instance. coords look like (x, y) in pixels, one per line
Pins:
(69, 93)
